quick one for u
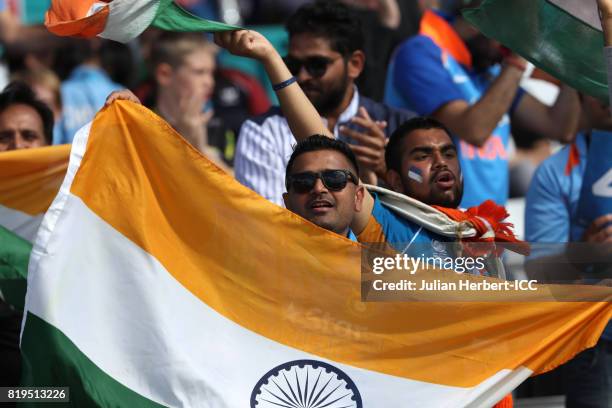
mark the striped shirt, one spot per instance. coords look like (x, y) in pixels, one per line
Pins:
(265, 144)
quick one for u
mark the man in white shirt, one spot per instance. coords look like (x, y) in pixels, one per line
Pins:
(326, 57)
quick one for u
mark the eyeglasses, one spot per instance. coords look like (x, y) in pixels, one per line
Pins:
(333, 180)
(315, 66)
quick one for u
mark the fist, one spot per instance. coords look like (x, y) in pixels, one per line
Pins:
(245, 43)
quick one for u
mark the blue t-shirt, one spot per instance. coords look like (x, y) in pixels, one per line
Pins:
(423, 78)
(83, 94)
(596, 194)
(552, 199)
(552, 202)
(405, 236)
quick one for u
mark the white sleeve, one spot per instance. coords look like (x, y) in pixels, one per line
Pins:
(258, 163)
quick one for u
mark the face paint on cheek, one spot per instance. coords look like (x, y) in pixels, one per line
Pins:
(414, 173)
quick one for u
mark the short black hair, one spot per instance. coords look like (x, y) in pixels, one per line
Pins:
(319, 142)
(393, 151)
(331, 20)
(18, 92)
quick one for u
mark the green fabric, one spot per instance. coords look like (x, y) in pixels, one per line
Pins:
(14, 257)
(172, 17)
(51, 359)
(550, 38)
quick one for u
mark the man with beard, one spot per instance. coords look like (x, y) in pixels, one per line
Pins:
(326, 57)
(322, 175)
(451, 72)
(422, 163)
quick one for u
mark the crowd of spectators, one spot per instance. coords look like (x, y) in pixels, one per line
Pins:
(418, 101)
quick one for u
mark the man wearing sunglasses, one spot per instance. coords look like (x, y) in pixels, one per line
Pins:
(326, 57)
(322, 174)
(322, 181)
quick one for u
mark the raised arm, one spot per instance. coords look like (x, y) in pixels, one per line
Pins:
(302, 117)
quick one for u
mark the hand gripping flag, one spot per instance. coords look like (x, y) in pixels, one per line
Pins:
(157, 279)
(122, 20)
(561, 37)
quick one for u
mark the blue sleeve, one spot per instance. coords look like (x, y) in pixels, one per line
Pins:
(547, 217)
(421, 78)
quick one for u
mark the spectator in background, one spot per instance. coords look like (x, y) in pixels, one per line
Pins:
(46, 87)
(385, 24)
(551, 208)
(451, 72)
(188, 87)
(183, 66)
(85, 89)
(326, 57)
(25, 122)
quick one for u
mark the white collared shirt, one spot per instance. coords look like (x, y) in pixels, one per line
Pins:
(264, 147)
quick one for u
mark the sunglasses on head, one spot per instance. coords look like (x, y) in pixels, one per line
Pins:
(315, 66)
(333, 180)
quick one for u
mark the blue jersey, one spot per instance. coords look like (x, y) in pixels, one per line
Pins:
(552, 199)
(404, 236)
(596, 193)
(423, 77)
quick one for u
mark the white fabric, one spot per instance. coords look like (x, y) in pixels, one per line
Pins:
(127, 19)
(20, 223)
(422, 214)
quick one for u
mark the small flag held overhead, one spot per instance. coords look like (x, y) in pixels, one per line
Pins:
(122, 20)
(561, 37)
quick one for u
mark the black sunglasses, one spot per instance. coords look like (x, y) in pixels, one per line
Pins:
(315, 66)
(333, 180)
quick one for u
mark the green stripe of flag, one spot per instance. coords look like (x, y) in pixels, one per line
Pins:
(172, 17)
(51, 359)
(550, 38)
(14, 257)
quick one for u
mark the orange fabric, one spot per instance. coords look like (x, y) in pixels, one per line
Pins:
(31, 178)
(573, 159)
(507, 402)
(493, 214)
(373, 232)
(445, 37)
(68, 18)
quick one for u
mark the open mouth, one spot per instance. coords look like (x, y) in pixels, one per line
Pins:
(445, 180)
(321, 206)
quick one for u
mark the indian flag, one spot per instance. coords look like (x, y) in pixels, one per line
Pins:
(156, 279)
(561, 37)
(29, 181)
(122, 20)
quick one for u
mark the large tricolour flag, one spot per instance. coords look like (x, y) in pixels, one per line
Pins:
(561, 37)
(122, 20)
(157, 279)
(29, 181)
